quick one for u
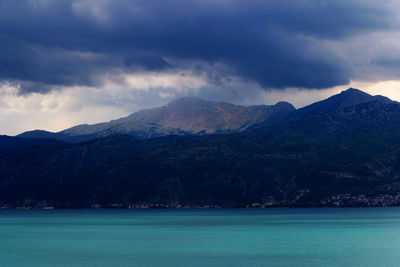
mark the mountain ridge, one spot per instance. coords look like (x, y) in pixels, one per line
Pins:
(182, 116)
(11, 142)
(347, 98)
(346, 157)
(191, 115)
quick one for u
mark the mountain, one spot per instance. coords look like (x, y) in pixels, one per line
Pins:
(189, 115)
(9, 142)
(347, 98)
(40, 134)
(181, 117)
(348, 157)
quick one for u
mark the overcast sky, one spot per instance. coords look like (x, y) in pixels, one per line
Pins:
(65, 62)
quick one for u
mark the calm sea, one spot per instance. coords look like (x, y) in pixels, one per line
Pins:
(272, 237)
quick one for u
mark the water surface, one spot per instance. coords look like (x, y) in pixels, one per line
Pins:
(264, 237)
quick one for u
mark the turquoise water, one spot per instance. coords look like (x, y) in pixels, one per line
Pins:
(272, 237)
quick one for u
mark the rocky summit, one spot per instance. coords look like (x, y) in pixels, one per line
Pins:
(183, 116)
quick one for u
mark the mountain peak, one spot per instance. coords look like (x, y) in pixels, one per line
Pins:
(284, 104)
(188, 100)
(354, 91)
(347, 98)
(37, 134)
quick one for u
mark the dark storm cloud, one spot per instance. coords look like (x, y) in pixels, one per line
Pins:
(275, 43)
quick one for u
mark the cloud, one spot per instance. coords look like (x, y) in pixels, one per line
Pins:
(64, 62)
(46, 45)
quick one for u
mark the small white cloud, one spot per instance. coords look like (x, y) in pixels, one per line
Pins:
(94, 8)
(179, 81)
(166, 95)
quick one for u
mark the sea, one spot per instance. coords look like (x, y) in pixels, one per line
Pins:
(201, 237)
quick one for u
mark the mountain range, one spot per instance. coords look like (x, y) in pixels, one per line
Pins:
(189, 115)
(183, 116)
(344, 150)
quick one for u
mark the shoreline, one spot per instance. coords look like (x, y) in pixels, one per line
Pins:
(192, 208)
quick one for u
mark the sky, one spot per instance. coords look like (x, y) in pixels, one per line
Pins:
(67, 62)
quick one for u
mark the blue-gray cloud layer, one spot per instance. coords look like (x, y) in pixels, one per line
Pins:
(276, 43)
